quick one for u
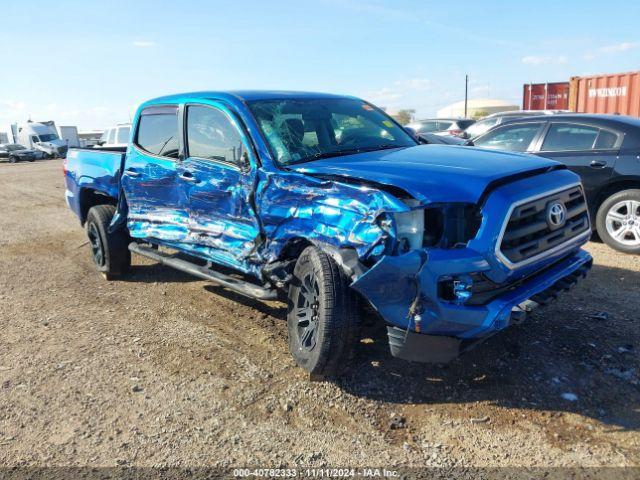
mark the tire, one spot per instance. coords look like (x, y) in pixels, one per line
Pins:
(13, 159)
(322, 316)
(618, 221)
(109, 251)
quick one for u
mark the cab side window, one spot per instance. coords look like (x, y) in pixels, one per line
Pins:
(212, 136)
(158, 131)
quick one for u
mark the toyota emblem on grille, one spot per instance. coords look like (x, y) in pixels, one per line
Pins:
(556, 215)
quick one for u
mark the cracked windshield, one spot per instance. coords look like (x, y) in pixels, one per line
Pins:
(303, 130)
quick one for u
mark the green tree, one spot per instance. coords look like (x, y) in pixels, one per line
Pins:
(404, 116)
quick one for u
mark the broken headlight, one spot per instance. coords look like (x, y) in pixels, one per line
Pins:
(438, 226)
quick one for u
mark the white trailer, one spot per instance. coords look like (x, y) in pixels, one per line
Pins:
(70, 135)
(8, 133)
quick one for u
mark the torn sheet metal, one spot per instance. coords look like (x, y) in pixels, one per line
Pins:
(294, 206)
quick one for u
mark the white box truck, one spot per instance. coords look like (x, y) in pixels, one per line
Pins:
(42, 136)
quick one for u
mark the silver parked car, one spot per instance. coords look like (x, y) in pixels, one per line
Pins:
(495, 119)
(441, 126)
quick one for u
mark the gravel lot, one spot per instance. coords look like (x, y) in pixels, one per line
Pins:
(164, 369)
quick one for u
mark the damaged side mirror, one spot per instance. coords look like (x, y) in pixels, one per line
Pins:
(245, 163)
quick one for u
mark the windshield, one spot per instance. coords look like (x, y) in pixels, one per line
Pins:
(47, 137)
(15, 147)
(301, 130)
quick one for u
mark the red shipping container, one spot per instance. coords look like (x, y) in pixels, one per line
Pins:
(546, 96)
(613, 93)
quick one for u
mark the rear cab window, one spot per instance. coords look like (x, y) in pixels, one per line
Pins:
(157, 132)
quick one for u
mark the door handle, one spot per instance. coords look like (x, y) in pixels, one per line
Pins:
(188, 177)
(132, 172)
(598, 164)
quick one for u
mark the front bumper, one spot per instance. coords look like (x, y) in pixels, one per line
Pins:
(419, 292)
(418, 347)
(398, 287)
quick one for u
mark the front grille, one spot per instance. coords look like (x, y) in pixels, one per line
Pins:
(531, 232)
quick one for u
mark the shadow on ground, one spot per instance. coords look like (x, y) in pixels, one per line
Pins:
(584, 345)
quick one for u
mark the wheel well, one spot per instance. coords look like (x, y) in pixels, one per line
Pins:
(293, 248)
(90, 198)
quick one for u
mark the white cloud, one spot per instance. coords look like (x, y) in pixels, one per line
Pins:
(619, 47)
(401, 92)
(89, 117)
(536, 60)
(143, 43)
(419, 84)
(384, 96)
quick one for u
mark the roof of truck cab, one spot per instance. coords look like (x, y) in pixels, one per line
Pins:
(243, 95)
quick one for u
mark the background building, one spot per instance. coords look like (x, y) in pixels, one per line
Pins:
(476, 108)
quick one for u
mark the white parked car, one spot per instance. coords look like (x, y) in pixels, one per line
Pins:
(117, 136)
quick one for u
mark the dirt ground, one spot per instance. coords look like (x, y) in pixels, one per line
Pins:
(161, 369)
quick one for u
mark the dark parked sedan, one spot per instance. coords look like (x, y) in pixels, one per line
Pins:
(15, 152)
(603, 149)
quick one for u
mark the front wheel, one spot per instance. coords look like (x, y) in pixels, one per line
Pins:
(109, 250)
(618, 221)
(13, 159)
(322, 317)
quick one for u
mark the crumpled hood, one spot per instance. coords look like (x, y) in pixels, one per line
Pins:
(430, 173)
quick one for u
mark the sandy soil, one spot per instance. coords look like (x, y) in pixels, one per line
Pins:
(164, 369)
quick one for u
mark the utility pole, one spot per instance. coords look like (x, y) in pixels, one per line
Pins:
(466, 94)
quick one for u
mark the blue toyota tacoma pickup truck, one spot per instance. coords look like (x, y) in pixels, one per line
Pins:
(327, 202)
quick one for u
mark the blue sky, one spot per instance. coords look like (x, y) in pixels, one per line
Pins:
(89, 63)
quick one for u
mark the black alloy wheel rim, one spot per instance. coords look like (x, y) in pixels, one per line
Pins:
(96, 245)
(307, 312)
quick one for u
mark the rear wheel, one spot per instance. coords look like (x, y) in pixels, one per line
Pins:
(109, 251)
(322, 316)
(13, 159)
(618, 221)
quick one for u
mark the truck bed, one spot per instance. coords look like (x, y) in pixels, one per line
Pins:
(91, 171)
